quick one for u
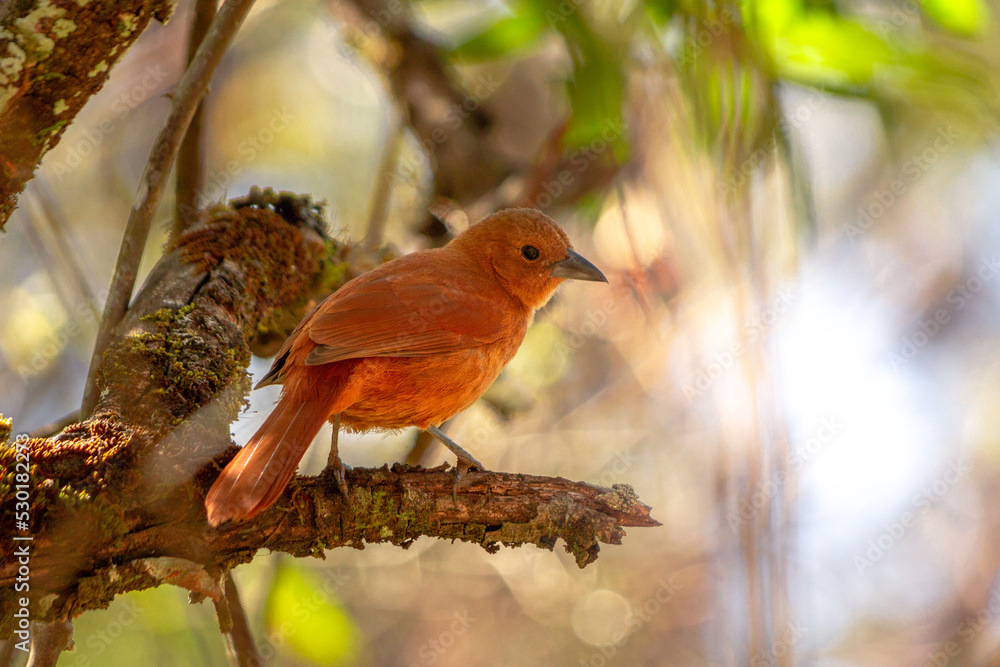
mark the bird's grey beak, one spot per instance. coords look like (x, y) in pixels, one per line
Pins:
(577, 267)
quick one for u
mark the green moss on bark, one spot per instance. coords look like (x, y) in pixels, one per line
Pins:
(190, 369)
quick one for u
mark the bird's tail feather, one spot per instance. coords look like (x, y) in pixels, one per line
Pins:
(255, 478)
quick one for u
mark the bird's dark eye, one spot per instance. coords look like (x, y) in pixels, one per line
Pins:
(529, 252)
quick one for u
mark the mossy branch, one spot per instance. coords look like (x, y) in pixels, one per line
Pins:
(56, 54)
(185, 100)
(400, 504)
(117, 500)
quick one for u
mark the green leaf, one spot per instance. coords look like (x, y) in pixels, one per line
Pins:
(824, 50)
(773, 15)
(597, 87)
(509, 35)
(595, 95)
(821, 49)
(661, 11)
(966, 17)
(597, 84)
(307, 616)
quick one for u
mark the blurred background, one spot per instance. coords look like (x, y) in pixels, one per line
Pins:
(795, 362)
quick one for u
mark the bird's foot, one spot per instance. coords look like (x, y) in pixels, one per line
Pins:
(333, 461)
(464, 464)
(465, 460)
(339, 471)
(340, 475)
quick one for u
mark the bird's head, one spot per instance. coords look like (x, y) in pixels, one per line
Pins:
(529, 253)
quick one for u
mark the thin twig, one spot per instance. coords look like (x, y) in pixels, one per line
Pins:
(66, 244)
(240, 635)
(190, 160)
(189, 92)
(48, 641)
(51, 266)
(379, 210)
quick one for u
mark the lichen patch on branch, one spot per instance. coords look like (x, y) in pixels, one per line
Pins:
(54, 56)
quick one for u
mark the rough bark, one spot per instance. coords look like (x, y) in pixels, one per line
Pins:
(54, 56)
(117, 500)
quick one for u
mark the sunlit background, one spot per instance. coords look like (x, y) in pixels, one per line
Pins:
(796, 362)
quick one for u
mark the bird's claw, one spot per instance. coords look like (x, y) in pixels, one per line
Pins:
(462, 466)
(340, 474)
(465, 460)
(339, 470)
(333, 461)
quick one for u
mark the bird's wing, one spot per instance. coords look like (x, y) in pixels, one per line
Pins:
(404, 316)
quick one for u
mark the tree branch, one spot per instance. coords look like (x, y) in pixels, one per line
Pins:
(48, 641)
(187, 97)
(382, 194)
(117, 500)
(57, 54)
(172, 381)
(239, 638)
(190, 160)
(396, 506)
(400, 504)
(465, 131)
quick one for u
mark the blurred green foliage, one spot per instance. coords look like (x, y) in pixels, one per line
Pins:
(961, 16)
(509, 35)
(732, 54)
(309, 620)
(597, 86)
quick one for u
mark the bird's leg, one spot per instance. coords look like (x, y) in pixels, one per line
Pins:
(334, 460)
(465, 459)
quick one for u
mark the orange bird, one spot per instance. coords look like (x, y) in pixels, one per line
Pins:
(410, 343)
